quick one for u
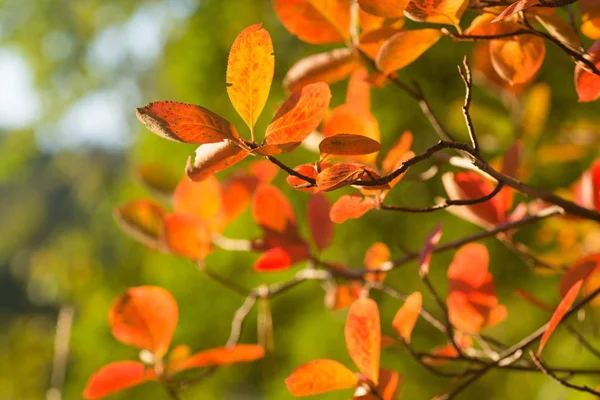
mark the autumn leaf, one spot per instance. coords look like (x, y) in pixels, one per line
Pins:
(145, 317)
(187, 235)
(157, 177)
(429, 246)
(407, 316)
(117, 376)
(516, 7)
(347, 119)
(329, 67)
(348, 144)
(307, 170)
(299, 115)
(339, 175)
(590, 23)
(405, 47)
(219, 356)
(315, 21)
(142, 220)
(436, 11)
(560, 30)
(587, 83)
(341, 295)
(320, 224)
(377, 254)
(320, 376)
(250, 69)
(279, 258)
(358, 95)
(371, 41)
(390, 384)
(363, 337)
(351, 207)
(187, 123)
(203, 199)
(559, 313)
(519, 59)
(211, 158)
(584, 269)
(396, 153)
(384, 8)
(271, 209)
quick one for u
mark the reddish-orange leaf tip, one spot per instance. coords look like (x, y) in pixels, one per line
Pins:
(145, 317)
(363, 337)
(587, 83)
(428, 248)
(407, 316)
(114, 377)
(319, 222)
(559, 313)
(320, 376)
(220, 356)
(211, 158)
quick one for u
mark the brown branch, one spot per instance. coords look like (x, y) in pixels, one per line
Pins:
(538, 362)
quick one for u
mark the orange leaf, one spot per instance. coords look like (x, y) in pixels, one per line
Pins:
(384, 8)
(405, 47)
(590, 23)
(371, 41)
(220, 356)
(389, 384)
(395, 154)
(342, 296)
(348, 144)
(559, 313)
(363, 337)
(117, 376)
(584, 269)
(436, 11)
(282, 257)
(377, 254)
(448, 350)
(472, 301)
(519, 59)
(587, 83)
(351, 206)
(319, 222)
(211, 158)
(405, 157)
(429, 246)
(187, 235)
(306, 170)
(142, 220)
(358, 95)
(339, 175)
(560, 29)
(271, 209)
(157, 177)
(187, 123)
(516, 7)
(315, 21)
(320, 376)
(203, 199)
(265, 171)
(407, 316)
(299, 115)
(329, 67)
(236, 196)
(145, 317)
(250, 70)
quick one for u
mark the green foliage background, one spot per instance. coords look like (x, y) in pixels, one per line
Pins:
(59, 246)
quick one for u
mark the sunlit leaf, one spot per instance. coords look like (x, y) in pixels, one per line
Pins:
(203, 199)
(584, 269)
(329, 67)
(220, 356)
(560, 29)
(306, 170)
(395, 154)
(341, 296)
(559, 313)
(321, 226)
(390, 384)
(371, 41)
(250, 69)
(272, 210)
(384, 8)
(211, 158)
(587, 83)
(339, 175)
(363, 337)
(590, 23)
(358, 95)
(299, 115)
(320, 376)
(142, 220)
(405, 47)
(187, 123)
(429, 246)
(315, 21)
(518, 60)
(407, 316)
(436, 11)
(145, 317)
(279, 258)
(463, 342)
(117, 376)
(350, 207)
(377, 254)
(348, 144)
(187, 235)
(516, 7)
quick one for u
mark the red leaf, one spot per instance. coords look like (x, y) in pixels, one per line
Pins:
(472, 301)
(363, 337)
(351, 206)
(585, 269)
(187, 123)
(329, 67)
(117, 376)
(308, 170)
(282, 257)
(431, 243)
(250, 70)
(315, 21)
(348, 144)
(211, 158)
(299, 115)
(272, 210)
(559, 313)
(375, 256)
(142, 220)
(516, 7)
(587, 83)
(145, 317)
(407, 316)
(319, 222)
(320, 376)
(203, 199)
(220, 356)
(187, 235)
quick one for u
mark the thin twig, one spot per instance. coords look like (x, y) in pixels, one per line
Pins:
(538, 362)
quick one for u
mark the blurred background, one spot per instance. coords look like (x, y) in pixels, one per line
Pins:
(71, 75)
